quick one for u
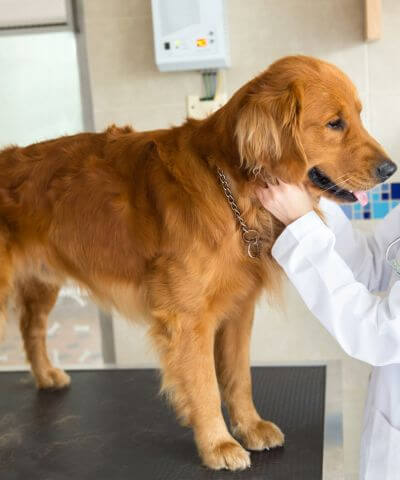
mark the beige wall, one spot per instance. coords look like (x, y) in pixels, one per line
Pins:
(127, 88)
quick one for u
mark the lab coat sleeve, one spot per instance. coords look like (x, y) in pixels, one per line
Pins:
(364, 254)
(365, 325)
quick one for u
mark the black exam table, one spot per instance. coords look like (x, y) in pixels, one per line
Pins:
(112, 425)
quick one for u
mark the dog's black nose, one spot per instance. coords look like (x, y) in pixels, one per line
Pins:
(385, 169)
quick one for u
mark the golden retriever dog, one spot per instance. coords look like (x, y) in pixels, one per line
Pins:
(167, 223)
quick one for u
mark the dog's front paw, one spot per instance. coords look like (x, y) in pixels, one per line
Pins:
(52, 378)
(227, 455)
(261, 435)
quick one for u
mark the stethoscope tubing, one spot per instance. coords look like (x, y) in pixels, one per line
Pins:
(395, 264)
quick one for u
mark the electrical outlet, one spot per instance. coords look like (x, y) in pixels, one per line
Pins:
(200, 109)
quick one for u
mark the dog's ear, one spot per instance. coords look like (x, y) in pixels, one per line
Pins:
(268, 133)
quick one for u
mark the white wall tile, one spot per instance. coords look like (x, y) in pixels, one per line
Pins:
(262, 31)
(109, 9)
(384, 57)
(119, 46)
(142, 118)
(385, 123)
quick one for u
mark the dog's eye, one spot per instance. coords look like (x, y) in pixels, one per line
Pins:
(337, 124)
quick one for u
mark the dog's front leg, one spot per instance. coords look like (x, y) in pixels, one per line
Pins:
(232, 363)
(186, 346)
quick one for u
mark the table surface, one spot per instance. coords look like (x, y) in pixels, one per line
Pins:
(113, 425)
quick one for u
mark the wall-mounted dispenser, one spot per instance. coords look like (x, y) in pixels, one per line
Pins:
(190, 34)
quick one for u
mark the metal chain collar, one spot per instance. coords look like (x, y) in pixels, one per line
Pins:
(250, 236)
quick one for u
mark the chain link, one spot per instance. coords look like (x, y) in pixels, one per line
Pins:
(250, 236)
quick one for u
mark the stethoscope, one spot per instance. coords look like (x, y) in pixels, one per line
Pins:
(394, 263)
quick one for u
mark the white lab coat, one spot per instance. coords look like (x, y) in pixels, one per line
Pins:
(337, 289)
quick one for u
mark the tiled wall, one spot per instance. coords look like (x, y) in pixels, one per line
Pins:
(127, 88)
(380, 201)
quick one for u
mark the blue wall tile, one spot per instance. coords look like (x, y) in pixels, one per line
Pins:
(382, 199)
(380, 209)
(395, 190)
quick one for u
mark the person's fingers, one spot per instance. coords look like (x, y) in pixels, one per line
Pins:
(274, 193)
(273, 181)
(285, 184)
(260, 191)
(267, 199)
(269, 190)
(262, 194)
(277, 193)
(278, 190)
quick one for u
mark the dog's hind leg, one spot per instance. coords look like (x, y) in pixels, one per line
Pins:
(36, 299)
(232, 365)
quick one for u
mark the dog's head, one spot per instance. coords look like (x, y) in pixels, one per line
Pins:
(300, 121)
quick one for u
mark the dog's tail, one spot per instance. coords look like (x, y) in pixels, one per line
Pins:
(3, 320)
(6, 276)
(5, 294)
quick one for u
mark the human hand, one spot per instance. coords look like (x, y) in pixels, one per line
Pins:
(286, 202)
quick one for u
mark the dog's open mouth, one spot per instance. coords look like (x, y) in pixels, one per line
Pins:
(327, 185)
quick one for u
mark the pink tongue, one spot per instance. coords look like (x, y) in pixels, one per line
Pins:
(362, 197)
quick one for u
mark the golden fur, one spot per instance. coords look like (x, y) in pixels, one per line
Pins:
(140, 220)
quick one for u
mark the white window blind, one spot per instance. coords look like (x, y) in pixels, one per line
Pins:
(26, 13)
